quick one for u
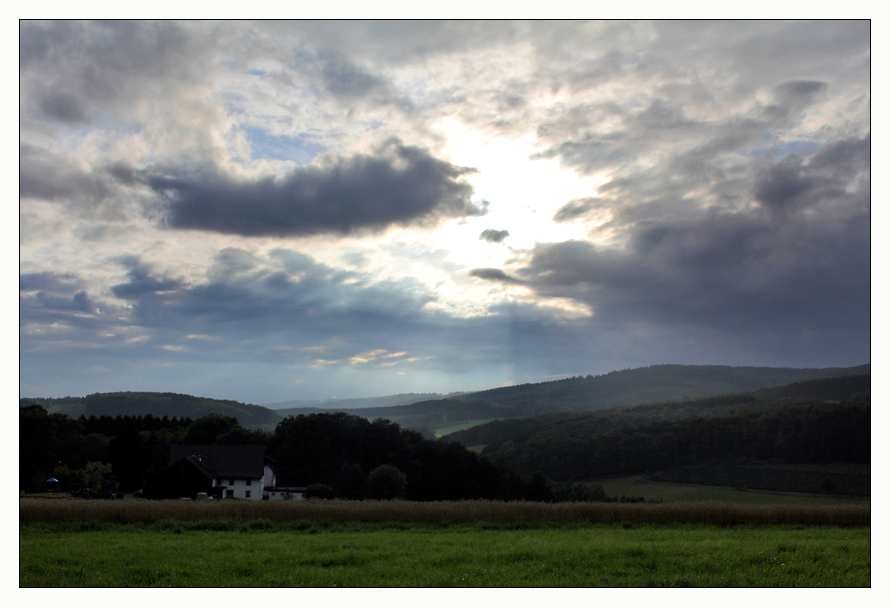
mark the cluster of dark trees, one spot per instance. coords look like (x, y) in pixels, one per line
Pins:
(340, 451)
(335, 454)
(56, 445)
(585, 447)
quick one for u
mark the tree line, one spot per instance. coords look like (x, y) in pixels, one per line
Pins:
(332, 454)
(56, 445)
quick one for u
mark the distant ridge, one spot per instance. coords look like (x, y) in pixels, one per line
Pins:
(591, 393)
(654, 383)
(574, 395)
(157, 404)
(344, 404)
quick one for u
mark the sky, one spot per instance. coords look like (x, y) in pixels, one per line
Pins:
(267, 211)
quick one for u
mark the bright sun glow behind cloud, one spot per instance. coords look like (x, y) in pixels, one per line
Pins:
(523, 193)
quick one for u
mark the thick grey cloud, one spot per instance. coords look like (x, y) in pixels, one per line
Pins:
(774, 268)
(494, 274)
(399, 185)
(58, 300)
(73, 69)
(574, 209)
(345, 79)
(141, 283)
(51, 176)
(490, 235)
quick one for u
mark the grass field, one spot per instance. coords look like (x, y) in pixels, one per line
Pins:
(259, 553)
(638, 486)
(122, 543)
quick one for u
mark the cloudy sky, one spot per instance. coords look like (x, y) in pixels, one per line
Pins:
(272, 211)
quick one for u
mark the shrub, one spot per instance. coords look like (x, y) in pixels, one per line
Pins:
(386, 482)
(319, 491)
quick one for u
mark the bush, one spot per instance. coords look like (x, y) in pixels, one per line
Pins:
(387, 482)
(319, 491)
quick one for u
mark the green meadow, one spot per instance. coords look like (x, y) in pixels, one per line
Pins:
(638, 486)
(324, 543)
(363, 555)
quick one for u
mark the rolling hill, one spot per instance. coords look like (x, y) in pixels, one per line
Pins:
(296, 407)
(591, 393)
(813, 422)
(652, 384)
(574, 395)
(158, 404)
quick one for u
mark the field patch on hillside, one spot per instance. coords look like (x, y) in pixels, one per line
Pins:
(640, 486)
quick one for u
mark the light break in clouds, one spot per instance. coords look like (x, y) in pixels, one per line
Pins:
(270, 210)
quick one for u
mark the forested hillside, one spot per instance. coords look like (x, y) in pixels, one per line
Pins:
(158, 404)
(651, 384)
(816, 433)
(580, 394)
(441, 412)
(785, 424)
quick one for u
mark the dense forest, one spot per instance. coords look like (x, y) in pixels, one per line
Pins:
(783, 425)
(815, 433)
(651, 384)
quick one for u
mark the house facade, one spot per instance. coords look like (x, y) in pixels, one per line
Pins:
(223, 471)
(285, 493)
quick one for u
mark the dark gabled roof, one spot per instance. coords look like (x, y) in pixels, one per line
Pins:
(203, 468)
(223, 461)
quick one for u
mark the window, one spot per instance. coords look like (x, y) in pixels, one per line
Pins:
(248, 482)
(230, 493)
(231, 482)
(247, 493)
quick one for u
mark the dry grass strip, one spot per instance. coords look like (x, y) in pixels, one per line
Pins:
(712, 513)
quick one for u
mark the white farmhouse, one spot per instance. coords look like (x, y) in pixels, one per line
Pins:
(225, 471)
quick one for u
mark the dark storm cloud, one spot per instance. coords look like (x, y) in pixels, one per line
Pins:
(349, 80)
(829, 176)
(48, 297)
(399, 185)
(773, 268)
(343, 78)
(141, 282)
(285, 296)
(578, 140)
(62, 106)
(47, 175)
(490, 235)
(101, 194)
(578, 208)
(495, 275)
(48, 281)
(70, 69)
